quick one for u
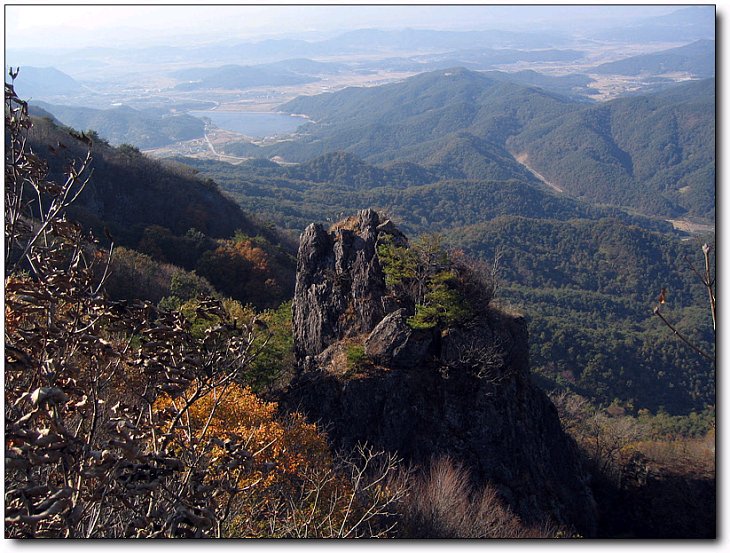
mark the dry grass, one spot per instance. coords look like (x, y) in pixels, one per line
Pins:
(443, 504)
(681, 456)
(350, 223)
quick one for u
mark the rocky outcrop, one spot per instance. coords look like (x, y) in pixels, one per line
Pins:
(339, 285)
(464, 391)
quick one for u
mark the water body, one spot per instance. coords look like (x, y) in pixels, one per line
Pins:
(253, 124)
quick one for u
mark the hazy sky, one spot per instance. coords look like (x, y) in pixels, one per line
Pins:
(64, 26)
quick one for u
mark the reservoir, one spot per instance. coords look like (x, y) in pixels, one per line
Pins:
(253, 124)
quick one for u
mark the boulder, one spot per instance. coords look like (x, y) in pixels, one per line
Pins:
(394, 343)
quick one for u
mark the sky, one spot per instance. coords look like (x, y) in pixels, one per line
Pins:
(66, 26)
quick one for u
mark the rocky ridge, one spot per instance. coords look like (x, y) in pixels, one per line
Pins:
(464, 391)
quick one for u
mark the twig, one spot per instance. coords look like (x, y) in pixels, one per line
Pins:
(681, 337)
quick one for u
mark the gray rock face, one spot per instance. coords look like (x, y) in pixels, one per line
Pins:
(339, 286)
(463, 392)
(395, 344)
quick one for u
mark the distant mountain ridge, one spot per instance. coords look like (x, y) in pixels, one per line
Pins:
(685, 24)
(43, 82)
(123, 124)
(697, 58)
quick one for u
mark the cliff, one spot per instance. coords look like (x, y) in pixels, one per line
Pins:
(462, 390)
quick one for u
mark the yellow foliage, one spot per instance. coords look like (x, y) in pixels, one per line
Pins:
(290, 483)
(280, 449)
(236, 311)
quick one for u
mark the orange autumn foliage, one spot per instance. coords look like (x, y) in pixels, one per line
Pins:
(290, 484)
(281, 449)
(255, 255)
(243, 271)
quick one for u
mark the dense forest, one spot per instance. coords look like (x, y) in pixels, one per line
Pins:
(588, 289)
(421, 199)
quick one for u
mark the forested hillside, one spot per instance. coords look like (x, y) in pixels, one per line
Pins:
(125, 125)
(585, 276)
(419, 197)
(165, 211)
(651, 153)
(410, 120)
(588, 289)
(654, 153)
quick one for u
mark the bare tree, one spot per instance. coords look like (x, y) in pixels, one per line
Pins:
(361, 497)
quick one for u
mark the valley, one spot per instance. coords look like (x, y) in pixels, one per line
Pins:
(522, 158)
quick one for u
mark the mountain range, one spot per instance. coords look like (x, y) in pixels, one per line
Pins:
(652, 153)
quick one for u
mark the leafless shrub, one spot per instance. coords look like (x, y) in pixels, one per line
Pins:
(603, 438)
(478, 279)
(90, 449)
(573, 410)
(357, 497)
(443, 504)
(476, 353)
